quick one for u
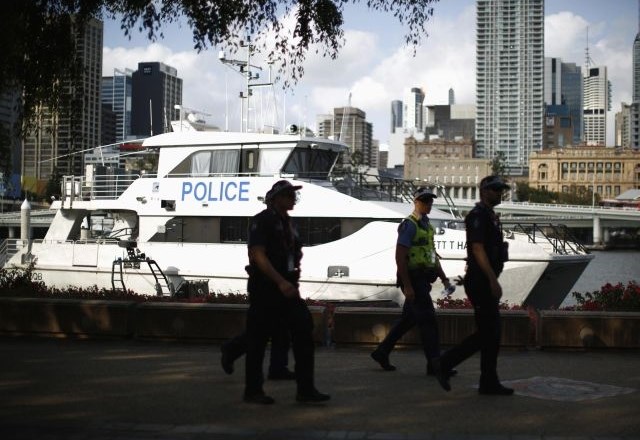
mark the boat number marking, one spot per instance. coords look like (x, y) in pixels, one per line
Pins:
(36, 276)
(216, 191)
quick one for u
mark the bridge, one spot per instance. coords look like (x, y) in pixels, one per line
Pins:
(600, 218)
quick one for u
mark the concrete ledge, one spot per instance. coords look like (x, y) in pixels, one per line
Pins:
(189, 321)
(66, 317)
(367, 325)
(205, 321)
(589, 329)
(347, 325)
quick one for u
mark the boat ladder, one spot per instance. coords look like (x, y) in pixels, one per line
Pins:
(133, 260)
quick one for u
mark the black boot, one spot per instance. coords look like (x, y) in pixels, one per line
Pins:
(383, 359)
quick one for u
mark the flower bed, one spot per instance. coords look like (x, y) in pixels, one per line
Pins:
(603, 318)
(610, 297)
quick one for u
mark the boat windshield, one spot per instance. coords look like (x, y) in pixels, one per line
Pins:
(310, 162)
(304, 159)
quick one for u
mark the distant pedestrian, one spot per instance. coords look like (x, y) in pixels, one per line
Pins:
(486, 254)
(275, 252)
(418, 266)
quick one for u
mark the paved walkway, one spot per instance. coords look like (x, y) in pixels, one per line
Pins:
(74, 389)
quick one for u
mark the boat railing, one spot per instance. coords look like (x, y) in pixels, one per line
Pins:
(557, 236)
(107, 186)
(4, 252)
(369, 186)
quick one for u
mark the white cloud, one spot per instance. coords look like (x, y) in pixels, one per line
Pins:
(375, 67)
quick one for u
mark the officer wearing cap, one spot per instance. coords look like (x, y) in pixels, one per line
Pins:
(486, 255)
(274, 270)
(418, 266)
(236, 347)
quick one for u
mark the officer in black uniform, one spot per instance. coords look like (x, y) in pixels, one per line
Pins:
(236, 347)
(418, 266)
(486, 255)
(274, 271)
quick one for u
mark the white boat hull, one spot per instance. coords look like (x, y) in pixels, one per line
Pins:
(368, 266)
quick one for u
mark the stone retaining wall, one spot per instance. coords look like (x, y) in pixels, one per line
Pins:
(346, 325)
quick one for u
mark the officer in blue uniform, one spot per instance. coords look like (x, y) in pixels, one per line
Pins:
(486, 254)
(418, 266)
(274, 299)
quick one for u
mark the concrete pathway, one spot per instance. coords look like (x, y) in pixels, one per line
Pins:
(79, 389)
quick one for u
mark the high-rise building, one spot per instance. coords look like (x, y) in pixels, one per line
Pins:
(572, 97)
(634, 115)
(509, 80)
(451, 122)
(9, 102)
(116, 94)
(563, 103)
(596, 105)
(413, 109)
(59, 138)
(156, 92)
(396, 115)
(636, 68)
(452, 97)
(622, 136)
(349, 125)
(552, 81)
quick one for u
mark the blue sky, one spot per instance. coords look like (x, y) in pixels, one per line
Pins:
(375, 66)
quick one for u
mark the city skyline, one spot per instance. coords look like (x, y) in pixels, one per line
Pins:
(375, 66)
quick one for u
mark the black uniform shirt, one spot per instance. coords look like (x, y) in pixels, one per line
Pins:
(279, 238)
(483, 226)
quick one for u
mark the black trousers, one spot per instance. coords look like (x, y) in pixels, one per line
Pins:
(263, 320)
(280, 343)
(418, 312)
(486, 338)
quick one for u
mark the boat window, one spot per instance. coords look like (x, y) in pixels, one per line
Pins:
(207, 163)
(225, 161)
(271, 160)
(310, 162)
(249, 160)
(234, 229)
(183, 169)
(314, 230)
(188, 230)
(201, 163)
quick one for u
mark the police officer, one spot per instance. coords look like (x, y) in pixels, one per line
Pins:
(274, 299)
(278, 365)
(418, 267)
(486, 255)
(236, 347)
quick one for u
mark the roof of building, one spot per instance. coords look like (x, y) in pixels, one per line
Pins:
(631, 194)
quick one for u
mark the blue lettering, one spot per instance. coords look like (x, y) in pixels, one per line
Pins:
(186, 189)
(211, 198)
(226, 191)
(243, 193)
(216, 191)
(200, 185)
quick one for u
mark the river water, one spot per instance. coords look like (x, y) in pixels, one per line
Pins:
(607, 267)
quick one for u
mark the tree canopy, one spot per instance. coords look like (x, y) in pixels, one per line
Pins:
(38, 38)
